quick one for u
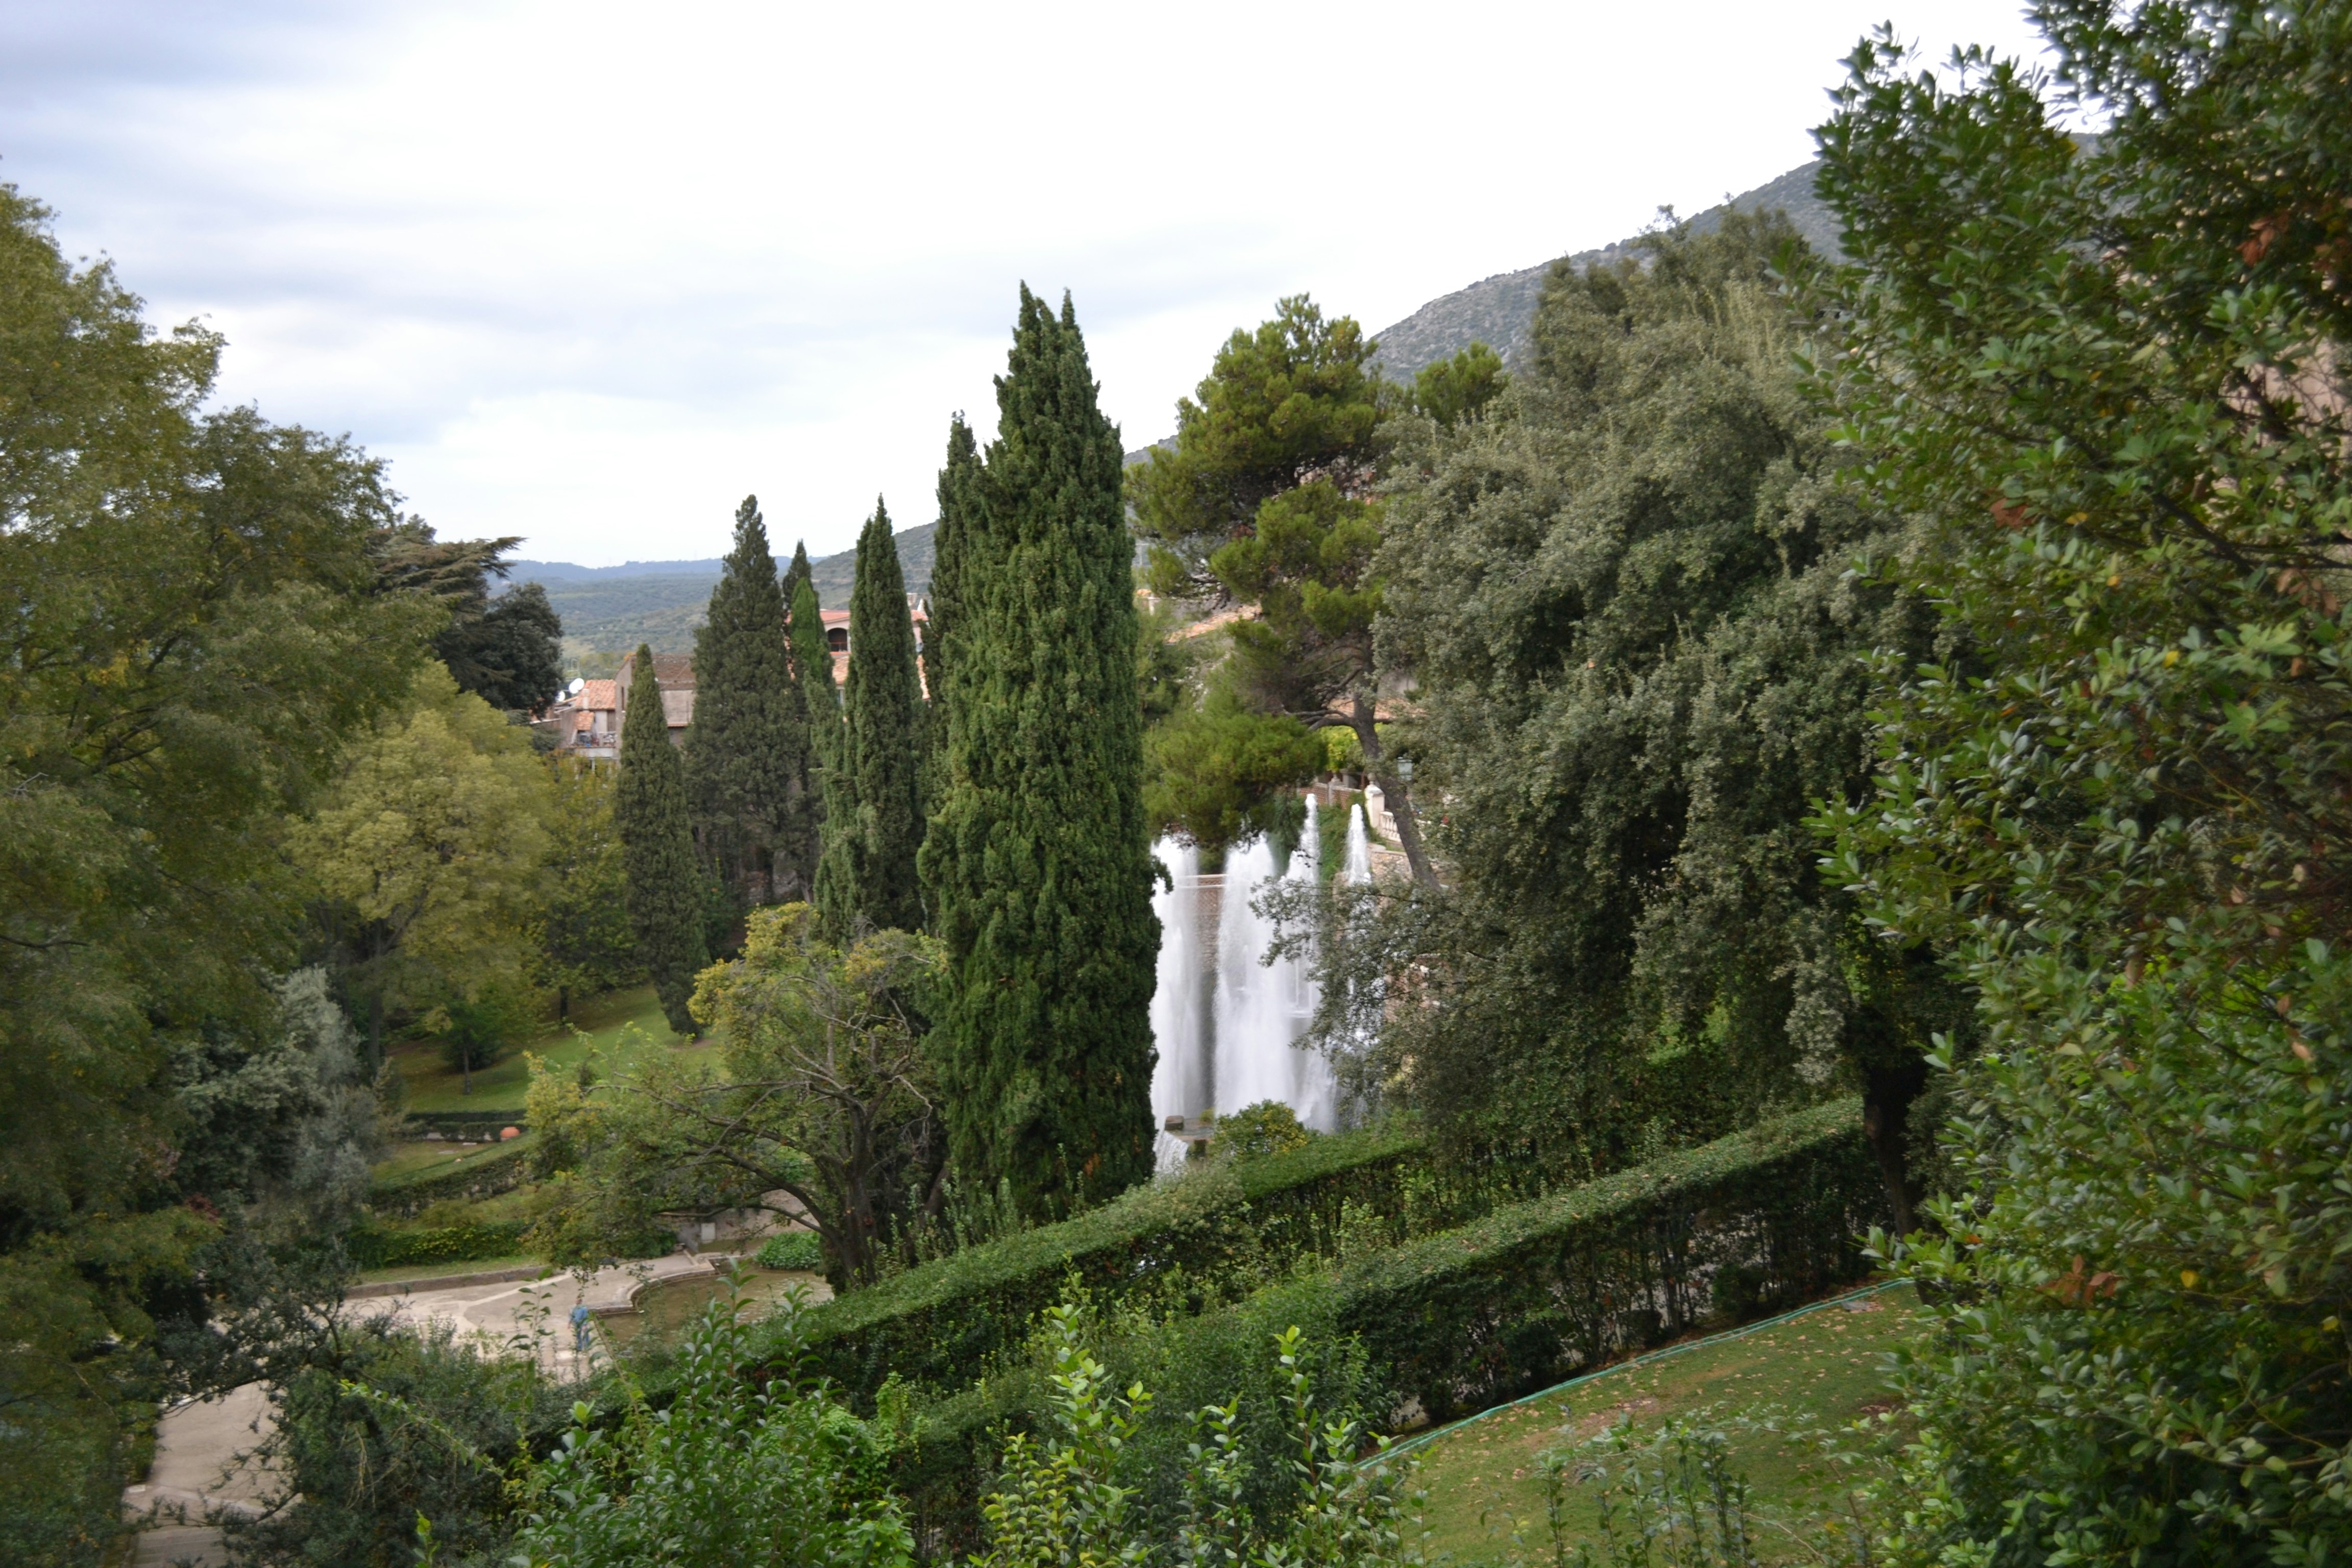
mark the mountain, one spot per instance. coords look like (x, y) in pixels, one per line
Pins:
(1500, 311)
(608, 610)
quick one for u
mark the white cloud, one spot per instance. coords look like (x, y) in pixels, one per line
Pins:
(590, 272)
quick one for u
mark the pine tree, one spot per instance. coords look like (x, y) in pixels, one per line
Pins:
(798, 572)
(884, 706)
(1038, 855)
(666, 883)
(801, 847)
(746, 753)
(834, 885)
(959, 496)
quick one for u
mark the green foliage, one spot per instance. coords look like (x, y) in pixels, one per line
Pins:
(192, 634)
(1624, 595)
(1671, 1494)
(1254, 1132)
(1450, 391)
(378, 1426)
(506, 650)
(882, 754)
(797, 1249)
(373, 1248)
(747, 749)
(428, 855)
(586, 944)
(1069, 1492)
(1531, 1293)
(478, 1030)
(2110, 376)
(1224, 1228)
(1265, 501)
(665, 881)
(1037, 865)
(959, 501)
(1216, 766)
(733, 1470)
(827, 1094)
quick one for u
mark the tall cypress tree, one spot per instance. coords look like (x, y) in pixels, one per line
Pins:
(835, 887)
(746, 752)
(665, 884)
(1038, 855)
(798, 572)
(882, 699)
(959, 497)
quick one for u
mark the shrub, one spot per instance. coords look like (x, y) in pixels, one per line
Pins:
(1255, 1132)
(801, 1249)
(373, 1247)
(1530, 1294)
(737, 1470)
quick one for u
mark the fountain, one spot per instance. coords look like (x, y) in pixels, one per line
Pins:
(1226, 1023)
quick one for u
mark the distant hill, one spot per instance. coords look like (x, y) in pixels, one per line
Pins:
(608, 610)
(1500, 311)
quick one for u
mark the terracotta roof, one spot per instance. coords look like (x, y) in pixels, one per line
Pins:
(602, 695)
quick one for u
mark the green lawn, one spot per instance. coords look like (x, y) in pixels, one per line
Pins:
(407, 1159)
(431, 1085)
(1823, 1367)
(446, 1271)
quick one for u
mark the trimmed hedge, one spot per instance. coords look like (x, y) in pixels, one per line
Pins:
(373, 1247)
(1530, 1295)
(499, 1170)
(940, 1324)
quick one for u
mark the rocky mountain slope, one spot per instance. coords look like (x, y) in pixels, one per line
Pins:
(1498, 311)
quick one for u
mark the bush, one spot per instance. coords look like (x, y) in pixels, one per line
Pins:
(373, 1248)
(800, 1249)
(1255, 1132)
(738, 1469)
(1530, 1294)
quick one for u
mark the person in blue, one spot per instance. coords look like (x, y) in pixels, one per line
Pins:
(579, 1321)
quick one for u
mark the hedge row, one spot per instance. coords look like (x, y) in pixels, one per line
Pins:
(372, 1246)
(1517, 1301)
(484, 1176)
(939, 1323)
(1531, 1295)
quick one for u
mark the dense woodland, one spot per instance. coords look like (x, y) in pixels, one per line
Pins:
(1865, 738)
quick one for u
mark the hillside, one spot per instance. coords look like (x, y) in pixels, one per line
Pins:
(608, 610)
(1500, 310)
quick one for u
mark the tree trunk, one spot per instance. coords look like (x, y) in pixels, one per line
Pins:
(1394, 791)
(1887, 1093)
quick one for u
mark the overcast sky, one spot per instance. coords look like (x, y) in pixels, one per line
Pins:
(588, 273)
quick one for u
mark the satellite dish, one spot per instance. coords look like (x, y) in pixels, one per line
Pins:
(576, 688)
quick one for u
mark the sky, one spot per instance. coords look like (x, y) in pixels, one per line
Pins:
(590, 273)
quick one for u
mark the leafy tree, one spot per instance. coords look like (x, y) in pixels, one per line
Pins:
(1265, 501)
(508, 650)
(1216, 767)
(429, 852)
(587, 946)
(882, 745)
(746, 752)
(1037, 862)
(192, 634)
(823, 1105)
(1447, 392)
(664, 882)
(1624, 596)
(2111, 377)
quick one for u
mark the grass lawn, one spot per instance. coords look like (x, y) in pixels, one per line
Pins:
(1822, 1368)
(407, 1159)
(599, 1025)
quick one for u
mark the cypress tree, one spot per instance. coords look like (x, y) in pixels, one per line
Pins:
(883, 705)
(959, 496)
(746, 752)
(835, 887)
(665, 884)
(801, 840)
(1038, 855)
(798, 572)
